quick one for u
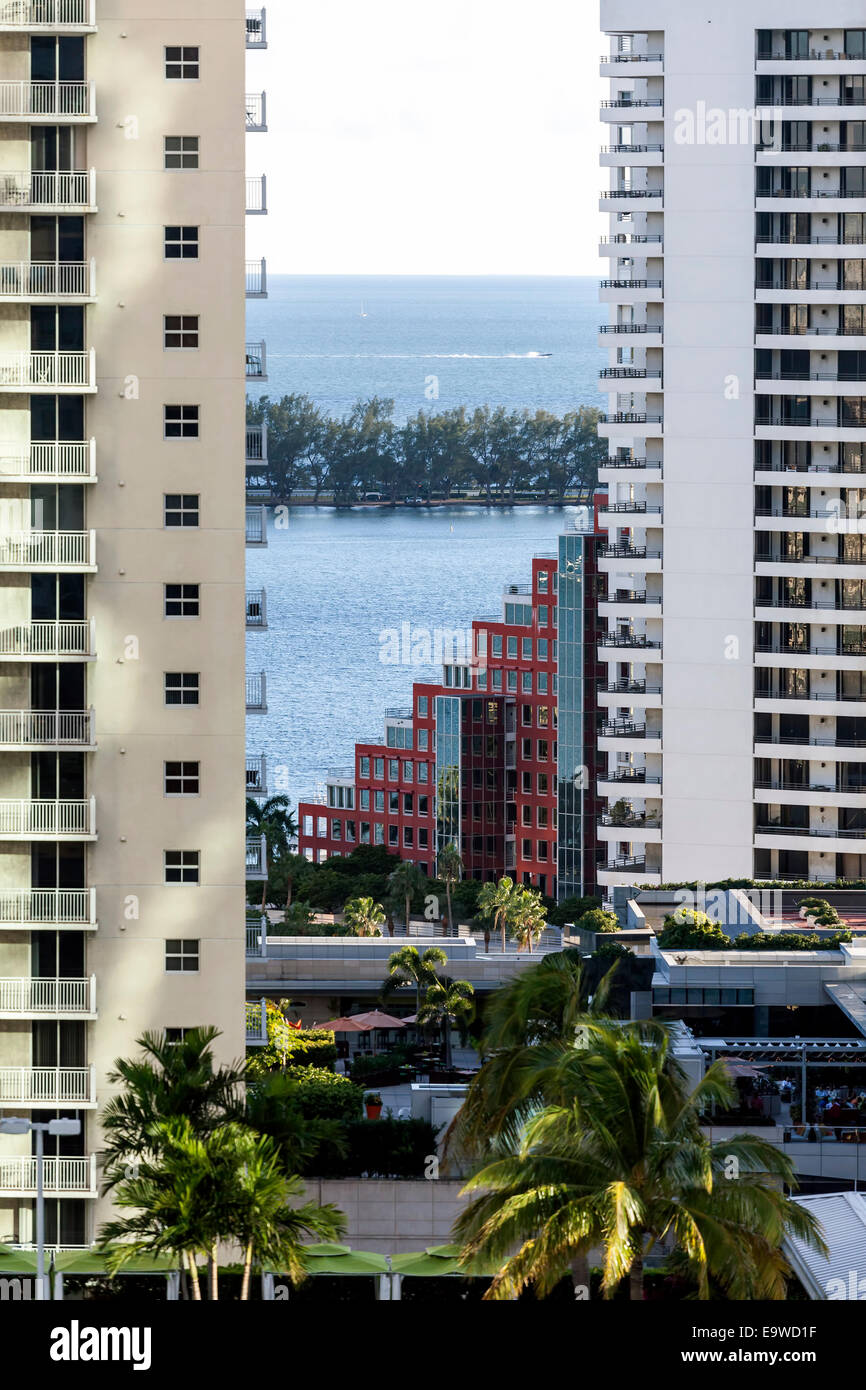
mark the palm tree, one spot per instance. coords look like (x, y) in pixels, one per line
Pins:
(449, 867)
(169, 1080)
(443, 1005)
(526, 917)
(405, 881)
(493, 903)
(263, 1222)
(274, 820)
(364, 916)
(620, 1160)
(408, 967)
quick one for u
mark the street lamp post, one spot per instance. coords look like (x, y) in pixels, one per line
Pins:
(16, 1124)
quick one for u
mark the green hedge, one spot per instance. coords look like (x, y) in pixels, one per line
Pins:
(385, 1148)
(323, 1095)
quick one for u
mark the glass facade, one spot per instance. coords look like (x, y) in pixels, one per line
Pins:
(448, 715)
(571, 770)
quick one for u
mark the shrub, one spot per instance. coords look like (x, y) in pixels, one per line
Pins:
(571, 910)
(789, 941)
(384, 1148)
(323, 1095)
(690, 928)
(598, 920)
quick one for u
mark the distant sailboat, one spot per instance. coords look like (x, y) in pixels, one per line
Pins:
(363, 310)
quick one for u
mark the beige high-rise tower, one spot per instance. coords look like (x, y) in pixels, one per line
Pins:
(122, 283)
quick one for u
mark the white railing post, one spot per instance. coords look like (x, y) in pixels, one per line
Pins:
(264, 193)
(92, 1078)
(92, 906)
(91, 188)
(92, 648)
(92, 1001)
(92, 1185)
(92, 827)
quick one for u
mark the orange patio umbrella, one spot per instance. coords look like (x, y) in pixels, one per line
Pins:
(341, 1025)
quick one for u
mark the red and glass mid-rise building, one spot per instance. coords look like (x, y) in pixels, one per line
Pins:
(475, 759)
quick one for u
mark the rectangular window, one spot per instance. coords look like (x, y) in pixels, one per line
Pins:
(180, 421)
(511, 680)
(180, 330)
(422, 706)
(379, 769)
(511, 648)
(422, 772)
(181, 779)
(393, 770)
(526, 648)
(542, 649)
(365, 766)
(408, 837)
(422, 806)
(422, 740)
(394, 835)
(408, 770)
(365, 799)
(394, 803)
(181, 152)
(378, 834)
(336, 829)
(497, 680)
(365, 832)
(407, 803)
(496, 644)
(542, 615)
(181, 243)
(542, 682)
(181, 600)
(181, 957)
(181, 64)
(378, 801)
(181, 509)
(308, 827)
(181, 865)
(423, 838)
(526, 682)
(181, 687)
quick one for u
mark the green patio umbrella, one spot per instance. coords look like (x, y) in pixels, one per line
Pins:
(19, 1261)
(436, 1261)
(329, 1258)
(93, 1262)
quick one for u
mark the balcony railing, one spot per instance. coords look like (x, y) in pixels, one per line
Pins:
(257, 195)
(256, 525)
(20, 728)
(256, 692)
(257, 776)
(257, 29)
(47, 996)
(257, 279)
(59, 1175)
(65, 101)
(630, 417)
(627, 103)
(49, 461)
(28, 280)
(257, 940)
(627, 774)
(257, 609)
(48, 639)
(257, 444)
(626, 729)
(49, 371)
(821, 832)
(47, 1086)
(627, 639)
(256, 362)
(257, 857)
(637, 193)
(632, 284)
(631, 58)
(48, 907)
(257, 1024)
(21, 819)
(47, 190)
(630, 328)
(30, 550)
(47, 15)
(256, 111)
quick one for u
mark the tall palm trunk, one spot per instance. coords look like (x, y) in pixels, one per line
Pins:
(635, 1281)
(193, 1276)
(502, 922)
(448, 1055)
(214, 1274)
(408, 900)
(451, 930)
(248, 1264)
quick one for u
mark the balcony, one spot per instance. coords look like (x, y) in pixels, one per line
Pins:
(26, 997)
(37, 551)
(48, 16)
(49, 461)
(257, 776)
(257, 196)
(257, 29)
(48, 191)
(35, 372)
(61, 1177)
(28, 909)
(256, 112)
(33, 730)
(256, 362)
(48, 820)
(631, 199)
(257, 444)
(257, 1024)
(256, 692)
(49, 641)
(257, 279)
(256, 525)
(70, 102)
(257, 859)
(257, 938)
(257, 610)
(624, 728)
(47, 1087)
(31, 282)
(613, 106)
(651, 334)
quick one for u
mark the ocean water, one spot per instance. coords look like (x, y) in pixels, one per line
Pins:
(338, 582)
(430, 343)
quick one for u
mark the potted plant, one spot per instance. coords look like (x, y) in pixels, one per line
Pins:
(373, 1105)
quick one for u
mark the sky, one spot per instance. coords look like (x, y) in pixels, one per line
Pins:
(440, 139)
